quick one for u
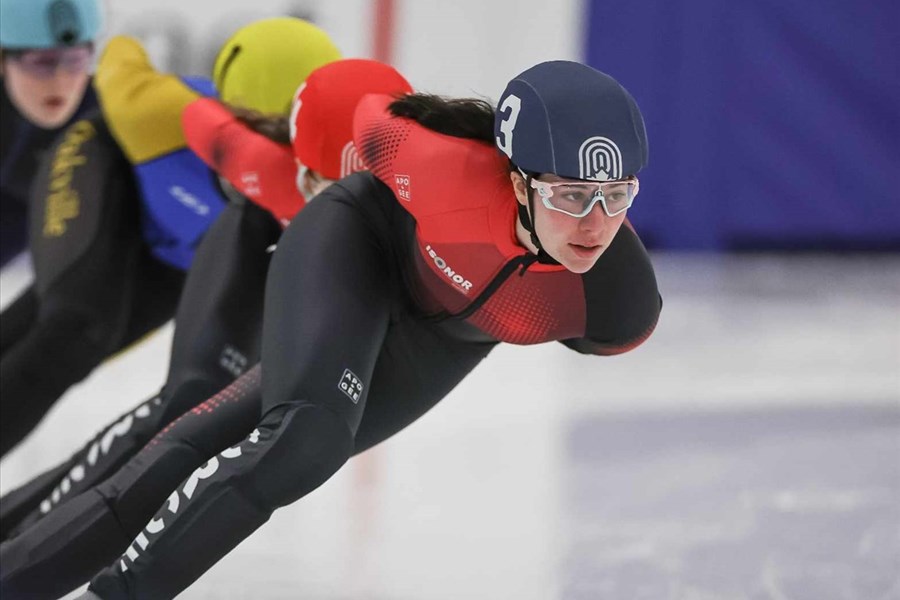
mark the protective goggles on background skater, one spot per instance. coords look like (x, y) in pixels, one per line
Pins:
(577, 198)
(44, 63)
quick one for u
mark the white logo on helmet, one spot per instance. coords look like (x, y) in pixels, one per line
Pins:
(350, 160)
(599, 159)
(295, 111)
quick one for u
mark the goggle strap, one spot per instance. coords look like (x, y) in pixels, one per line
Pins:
(525, 218)
(542, 256)
(525, 215)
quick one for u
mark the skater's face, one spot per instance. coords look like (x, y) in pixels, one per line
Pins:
(46, 85)
(576, 242)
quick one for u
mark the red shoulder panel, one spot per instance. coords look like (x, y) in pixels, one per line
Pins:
(259, 168)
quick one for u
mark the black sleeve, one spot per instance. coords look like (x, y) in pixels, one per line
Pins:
(622, 298)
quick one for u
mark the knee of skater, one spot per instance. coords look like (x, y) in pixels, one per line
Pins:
(311, 444)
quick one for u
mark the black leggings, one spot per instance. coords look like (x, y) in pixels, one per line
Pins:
(66, 547)
(97, 288)
(217, 334)
(346, 364)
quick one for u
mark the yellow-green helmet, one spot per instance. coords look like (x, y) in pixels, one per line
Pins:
(262, 65)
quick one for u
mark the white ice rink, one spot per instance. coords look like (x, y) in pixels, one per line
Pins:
(749, 450)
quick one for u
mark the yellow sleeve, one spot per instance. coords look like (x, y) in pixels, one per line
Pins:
(141, 105)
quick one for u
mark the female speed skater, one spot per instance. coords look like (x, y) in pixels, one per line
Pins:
(394, 284)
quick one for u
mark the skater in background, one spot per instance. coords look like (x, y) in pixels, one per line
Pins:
(391, 286)
(121, 207)
(45, 64)
(51, 550)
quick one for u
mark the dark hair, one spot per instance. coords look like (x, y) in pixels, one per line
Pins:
(469, 118)
(275, 127)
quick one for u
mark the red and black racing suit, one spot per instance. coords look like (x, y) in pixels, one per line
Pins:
(383, 294)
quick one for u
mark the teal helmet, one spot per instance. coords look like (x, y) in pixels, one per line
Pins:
(48, 23)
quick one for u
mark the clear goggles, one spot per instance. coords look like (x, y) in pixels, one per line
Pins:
(577, 198)
(44, 63)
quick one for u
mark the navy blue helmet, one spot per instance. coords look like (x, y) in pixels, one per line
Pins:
(569, 119)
